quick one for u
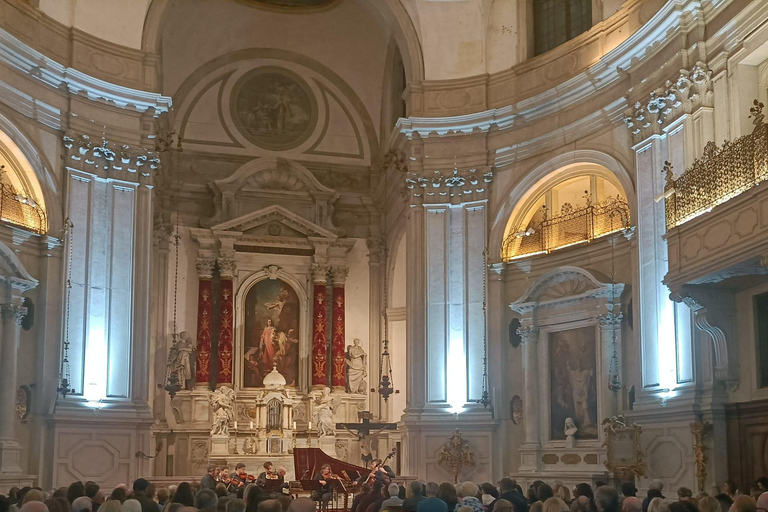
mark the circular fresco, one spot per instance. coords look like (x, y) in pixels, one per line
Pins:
(274, 108)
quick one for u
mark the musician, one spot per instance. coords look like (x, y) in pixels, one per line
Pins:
(323, 495)
(241, 477)
(379, 473)
(265, 475)
(224, 477)
(209, 480)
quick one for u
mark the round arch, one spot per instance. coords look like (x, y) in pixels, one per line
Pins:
(561, 167)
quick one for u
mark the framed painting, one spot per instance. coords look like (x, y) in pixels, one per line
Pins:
(573, 389)
(271, 328)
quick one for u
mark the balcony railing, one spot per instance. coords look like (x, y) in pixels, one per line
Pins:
(573, 226)
(720, 174)
(21, 211)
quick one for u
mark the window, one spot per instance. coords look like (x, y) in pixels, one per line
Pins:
(558, 21)
(761, 321)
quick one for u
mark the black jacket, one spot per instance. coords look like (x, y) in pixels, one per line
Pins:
(515, 498)
(208, 482)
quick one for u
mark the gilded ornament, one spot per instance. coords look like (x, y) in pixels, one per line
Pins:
(455, 454)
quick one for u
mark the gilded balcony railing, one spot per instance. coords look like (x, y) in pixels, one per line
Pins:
(720, 174)
(21, 211)
(573, 226)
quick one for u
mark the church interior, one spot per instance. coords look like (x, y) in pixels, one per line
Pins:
(477, 240)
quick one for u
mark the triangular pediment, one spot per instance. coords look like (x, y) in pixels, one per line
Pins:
(260, 222)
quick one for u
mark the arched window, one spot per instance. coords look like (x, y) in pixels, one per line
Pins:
(564, 209)
(558, 21)
(21, 198)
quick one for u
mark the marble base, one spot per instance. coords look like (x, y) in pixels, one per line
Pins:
(328, 445)
(219, 446)
(9, 481)
(10, 458)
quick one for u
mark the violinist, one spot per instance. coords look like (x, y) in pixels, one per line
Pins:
(323, 495)
(209, 480)
(224, 477)
(241, 476)
(267, 475)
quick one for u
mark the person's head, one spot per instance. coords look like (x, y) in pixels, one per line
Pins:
(684, 494)
(606, 499)
(503, 506)
(743, 503)
(302, 505)
(654, 493)
(709, 504)
(729, 487)
(118, 494)
(74, 491)
(221, 504)
(91, 488)
(628, 489)
(375, 463)
(325, 469)
(240, 468)
(431, 489)
(82, 504)
(393, 489)
(632, 504)
(184, 495)
(414, 489)
(544, 492)
(447, 493)
(656, 484)
(506, 485)
(210, 469)
(140, 486)
(466, 490)
(235, 505)
(205, 500)
(224, 473)
(489, 489)
(221, 491)
(762, 502)
(269, 506)
(659, 505)
(563, 493)
(62, 505)
(163, 495)
(34, 495)
(34, 506)
(267, 466)
(131, 506)
(281, 472)
(583, 489)
(285, 501)
(553, 505)
(252, 497)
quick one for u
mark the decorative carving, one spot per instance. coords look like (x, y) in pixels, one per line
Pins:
(199, 452)
(319, 273)
(23, 397)
(116, 159)
(223, 404)
(394, 158)
(325, 407)
(692, 89)
(516, 409)
(455, 454)
(624, 454)
(227, 268)
(700, 430)
(339, 275)
(272, 271)
(456, 186)
(205, 267)
(357, 368)
(342, 451)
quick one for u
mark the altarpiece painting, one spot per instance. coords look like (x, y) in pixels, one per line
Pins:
(573, 389)
(272, 319)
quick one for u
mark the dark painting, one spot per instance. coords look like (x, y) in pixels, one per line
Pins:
(573, 374)
(272, 319)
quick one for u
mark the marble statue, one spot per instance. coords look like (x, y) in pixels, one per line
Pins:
(357, 368)
(325, 406)
(570, 427)
(180, 358)
(223, 404)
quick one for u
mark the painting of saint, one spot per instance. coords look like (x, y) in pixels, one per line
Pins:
(573, 388)
(272, 316)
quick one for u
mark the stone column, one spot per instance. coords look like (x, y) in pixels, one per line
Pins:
(204, 316)
(319, 327)
(10, 449)
(338, 375)
(227, 272)
(529, 338)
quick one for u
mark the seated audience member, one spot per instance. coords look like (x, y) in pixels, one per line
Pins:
(57, 505)
(684, 494)
(206, 499)
(96, 496)
(365, 490)
(285, 500)
(467, 493)
(447, 493)
(432, 504)
(487, 489)
(725, 501)
(762, 502)
(743, 503)
(683, 506)
(632, 504)
(74, 491)
(34, 506)
(235, 505)
(118, 494)
(606, 499)
(82, 504)
(729, 488)
(110, 506)
(6, 502)
(709, 504)
(184, 495)
(503, 506)
(269, 506)
(654, 491)
(33, 495)
(221, 504)
(221, 490)
(163, 497)
(555, 505)
(393, 500)
(510, 491)
(464, 508)
(372, 498)
(659, 505)
(628, 490)
(415, 495)
(564, 494)
(302, 505)
(431, 489)
(543, 493)
(131, 505)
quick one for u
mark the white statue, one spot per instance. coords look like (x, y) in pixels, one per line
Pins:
(580, 379)
(325, 406)
(357, 368)
(179, 360)
(223, 404)
(570, 427)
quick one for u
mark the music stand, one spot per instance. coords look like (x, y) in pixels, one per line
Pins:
(315, 485)
(273, 485)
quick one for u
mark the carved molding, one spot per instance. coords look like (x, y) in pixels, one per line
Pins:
(691, 90)
(319, 273)
(339, 275)
(109, 159)
(227, 267)
(205, 267)
(455, 186)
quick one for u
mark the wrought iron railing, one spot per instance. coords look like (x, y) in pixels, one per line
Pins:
(21, 211)
(573, 226)
(720, 174)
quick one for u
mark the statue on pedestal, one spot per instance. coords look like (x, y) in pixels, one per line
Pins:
(223, 404)
(325, 406)
(357, 368)
(180, 359)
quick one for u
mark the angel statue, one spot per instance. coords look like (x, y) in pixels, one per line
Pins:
(223, 404)
(325, 407)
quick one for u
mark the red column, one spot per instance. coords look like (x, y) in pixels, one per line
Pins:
(204, 311)
(226, 316)
(319, 323)
(338, 375)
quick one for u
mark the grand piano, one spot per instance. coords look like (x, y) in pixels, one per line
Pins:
(307, 462)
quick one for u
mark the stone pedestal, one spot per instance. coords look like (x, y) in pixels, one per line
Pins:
(20, 481)
(10, 457)
(328, 445)
(219, 446)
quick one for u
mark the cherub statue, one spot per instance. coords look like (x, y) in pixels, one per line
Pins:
(223, 404)
(325, 407)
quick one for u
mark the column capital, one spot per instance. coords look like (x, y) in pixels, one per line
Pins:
(227, 267)
(528, 334)
(610, 321)
(13, 312)
(339, 275)
(319, 273)
(205, 267)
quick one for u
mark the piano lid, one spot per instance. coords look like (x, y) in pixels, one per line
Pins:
(308, 461)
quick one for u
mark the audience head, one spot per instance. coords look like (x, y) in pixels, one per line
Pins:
(447, 493)
(91, 488)
(33, 495)
(206, 500)
(34, 506)
(682, 506)
(554, 505)
(654, 493)
(729, 487)
(431, 489)
(628, 489)
(709, 504)
(131, 506)
(221, 491)
(393, 489)
(583, 489)
(236, 505)
(632, 504)
(467, 490)
(414, 489)
(110, 506)
(506, 485)
(743, 503)
(762, 483)
(82, 504)
(221, 504)
(140, 486)
(659, 505)
(163, 495)
(302, 505)
(285, 501)
(270, 506)
(184, 495)
(544, 492)
(725, 501)
(656, 484)
(62, 505)
(503, 506)
(74, 491)
(762, 502)
(606, 499)
(684, 494)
